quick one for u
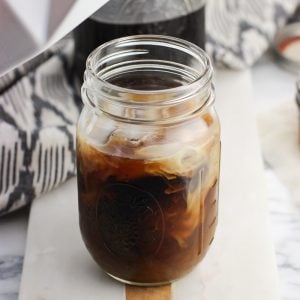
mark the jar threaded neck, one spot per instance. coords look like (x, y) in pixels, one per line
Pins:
(148, 78)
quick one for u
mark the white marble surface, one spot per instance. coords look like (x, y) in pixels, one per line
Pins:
(286, 227)
(242, 226)
(12, 244)
(274, 86)
(271, 86)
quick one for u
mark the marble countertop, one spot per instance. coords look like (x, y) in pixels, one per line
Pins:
(272, 85)
(13, 230)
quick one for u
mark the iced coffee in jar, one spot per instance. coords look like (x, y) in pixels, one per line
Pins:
(148, 154)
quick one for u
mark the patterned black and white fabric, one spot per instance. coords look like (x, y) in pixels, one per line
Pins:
(39, 107)
(239, 31)
(38, 110)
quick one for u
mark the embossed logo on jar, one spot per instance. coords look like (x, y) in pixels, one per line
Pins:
(131, 221)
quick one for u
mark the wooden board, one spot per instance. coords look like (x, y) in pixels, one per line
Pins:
(148, 293)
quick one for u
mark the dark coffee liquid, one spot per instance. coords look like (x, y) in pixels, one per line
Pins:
(137, 225)
(140, 221)
(92, 33)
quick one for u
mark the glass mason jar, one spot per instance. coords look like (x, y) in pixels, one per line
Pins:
(148, 149)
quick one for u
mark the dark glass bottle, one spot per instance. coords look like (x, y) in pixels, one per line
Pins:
(180, 18)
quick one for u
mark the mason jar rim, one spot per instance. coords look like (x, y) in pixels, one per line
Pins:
(200, 82)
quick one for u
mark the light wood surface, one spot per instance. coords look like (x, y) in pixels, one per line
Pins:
(148, 293)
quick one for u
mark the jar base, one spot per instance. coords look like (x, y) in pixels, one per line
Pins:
(145, 284)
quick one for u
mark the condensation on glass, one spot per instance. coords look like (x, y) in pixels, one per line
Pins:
(148, 149)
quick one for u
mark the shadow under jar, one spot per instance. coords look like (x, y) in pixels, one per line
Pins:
(148, 150)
